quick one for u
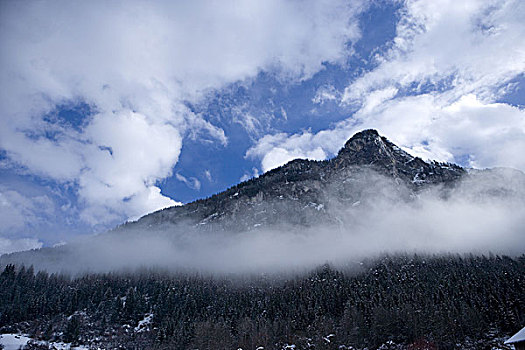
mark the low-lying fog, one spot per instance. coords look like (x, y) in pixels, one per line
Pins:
(483, 214)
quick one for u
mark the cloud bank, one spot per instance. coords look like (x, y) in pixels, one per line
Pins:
(484, 213)
(135, 64)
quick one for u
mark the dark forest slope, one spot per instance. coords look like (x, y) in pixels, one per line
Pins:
(447, 302)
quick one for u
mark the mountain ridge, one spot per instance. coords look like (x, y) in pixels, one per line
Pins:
(300, 186)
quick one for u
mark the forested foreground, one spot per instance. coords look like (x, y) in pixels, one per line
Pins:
(411, 302)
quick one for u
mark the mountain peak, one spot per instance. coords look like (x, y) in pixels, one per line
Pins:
(367, 147)
(368, 133)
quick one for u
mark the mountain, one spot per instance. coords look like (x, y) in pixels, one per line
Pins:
(288, 219)
(305, 192)
(371, 191)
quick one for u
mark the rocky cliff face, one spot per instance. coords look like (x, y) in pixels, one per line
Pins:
(304, 192)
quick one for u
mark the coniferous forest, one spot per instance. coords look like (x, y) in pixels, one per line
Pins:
(409, 302)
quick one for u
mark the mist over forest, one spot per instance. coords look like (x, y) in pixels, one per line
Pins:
(484, 213)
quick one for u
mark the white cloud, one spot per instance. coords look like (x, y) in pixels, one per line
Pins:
(135, 63)
(491, 134)
(453, 59)
(279, 149)
(477, 45)
(247, 176)
(247, 120)
(18, 210)
(191, 182)
(376, 98)
(326, 93)
(16, 245)
(207, 174)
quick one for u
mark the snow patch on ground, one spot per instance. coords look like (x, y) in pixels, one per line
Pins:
(12, 341)
(144, 323)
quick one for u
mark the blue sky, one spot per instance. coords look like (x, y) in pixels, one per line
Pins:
(109, 111)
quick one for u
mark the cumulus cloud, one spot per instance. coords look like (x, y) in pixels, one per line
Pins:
(435, 91)
(467, 131)
(279, 149)
(135, 63)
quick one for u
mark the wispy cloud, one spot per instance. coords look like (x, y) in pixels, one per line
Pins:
(191, 182)
(327, 93)
(207, 174)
